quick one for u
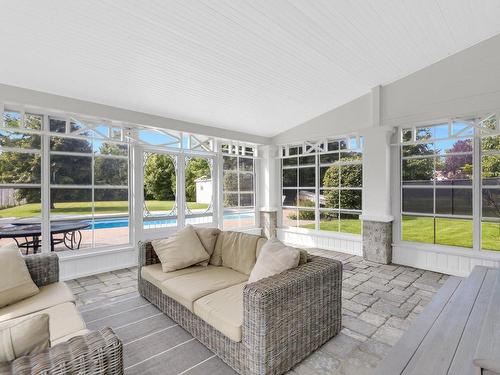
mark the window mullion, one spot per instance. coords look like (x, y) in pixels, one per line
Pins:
(316, 200)
(476, 191)
(45, 189)
(181, 190)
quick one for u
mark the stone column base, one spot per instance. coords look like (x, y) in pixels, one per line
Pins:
(377, 241)
(268, 223)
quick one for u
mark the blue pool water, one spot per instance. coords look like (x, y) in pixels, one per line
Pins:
(123, 222)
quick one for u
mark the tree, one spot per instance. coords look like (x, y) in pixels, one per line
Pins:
(16, 167)
(458, 167)
(417, 170)
(159, 178)
(490, 174)
(343, 176)
(230, 183)
(111, 171)
(195, 168)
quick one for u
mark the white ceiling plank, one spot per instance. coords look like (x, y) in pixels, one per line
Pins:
(261, 66)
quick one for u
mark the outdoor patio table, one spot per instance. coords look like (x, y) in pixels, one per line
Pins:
(31, 233)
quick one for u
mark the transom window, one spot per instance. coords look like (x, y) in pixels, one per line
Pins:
(322, 185)
(444, 199)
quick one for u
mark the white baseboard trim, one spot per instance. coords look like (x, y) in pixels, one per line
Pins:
(72, 267)
(343, 243)
(434, 258)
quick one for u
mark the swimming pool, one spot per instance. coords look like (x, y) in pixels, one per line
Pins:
(123, 222)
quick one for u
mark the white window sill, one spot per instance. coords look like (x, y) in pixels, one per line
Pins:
(451, 250)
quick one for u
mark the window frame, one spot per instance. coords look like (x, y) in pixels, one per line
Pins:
(477, 131)
(238, 151)
(348, 144)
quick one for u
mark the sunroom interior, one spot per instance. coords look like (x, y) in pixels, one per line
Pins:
(364, 134)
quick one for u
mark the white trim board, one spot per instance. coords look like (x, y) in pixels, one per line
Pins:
(456, 261)
(71, 267)
(349, 244)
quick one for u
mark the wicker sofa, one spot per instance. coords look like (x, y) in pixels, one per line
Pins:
(285, 317)
(74, 349)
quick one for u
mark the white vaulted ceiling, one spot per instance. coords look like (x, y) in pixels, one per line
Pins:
(259, 66)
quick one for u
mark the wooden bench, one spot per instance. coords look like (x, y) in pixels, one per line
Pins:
(457, 333)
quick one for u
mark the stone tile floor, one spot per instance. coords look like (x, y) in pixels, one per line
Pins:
(378, 305)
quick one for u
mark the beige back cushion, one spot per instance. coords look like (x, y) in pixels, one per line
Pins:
(208, 238)
(275, 257)
(216, 258)
(181, 250)
(15, 279)
(238, 251)
(303, 253)
(24, 336)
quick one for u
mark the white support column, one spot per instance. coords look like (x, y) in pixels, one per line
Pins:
(377, 210)
(377, 174)
(268, 189)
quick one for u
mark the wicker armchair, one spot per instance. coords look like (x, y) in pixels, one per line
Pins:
(286, 317)
(98, 352)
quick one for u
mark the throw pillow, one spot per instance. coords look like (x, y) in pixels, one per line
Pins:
(181, 250)
(275, 257)
(208, 238)
(15, 280)
(303, 253)
(24, 336)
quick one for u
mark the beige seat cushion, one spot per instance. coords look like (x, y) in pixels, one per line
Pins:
(155, 275)
(23, 336)
(181, 250)
(15, 280)
(223, 310)
(275, 257)
(208, 238)
(49, 295)
(188, 288)
(64, 320)
(70, 336)
(237, 250)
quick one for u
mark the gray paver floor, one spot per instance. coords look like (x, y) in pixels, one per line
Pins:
(379, 304)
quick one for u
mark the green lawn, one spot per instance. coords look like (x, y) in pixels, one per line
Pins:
(452, 232)
(75, 208)
(352, 226)
(491, 236)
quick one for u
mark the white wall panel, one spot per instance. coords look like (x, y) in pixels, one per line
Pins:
(73, 265)
(349, 244)
(446, 260)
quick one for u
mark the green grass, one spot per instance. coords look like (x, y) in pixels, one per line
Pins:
(452, 232)
(491, 236)
(76, 208)
(352, 226)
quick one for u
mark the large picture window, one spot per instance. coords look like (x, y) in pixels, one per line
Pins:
(439, 172)
(322, 185)
(490, 189)
(238, 186)
(87, 182)
(20, 179)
